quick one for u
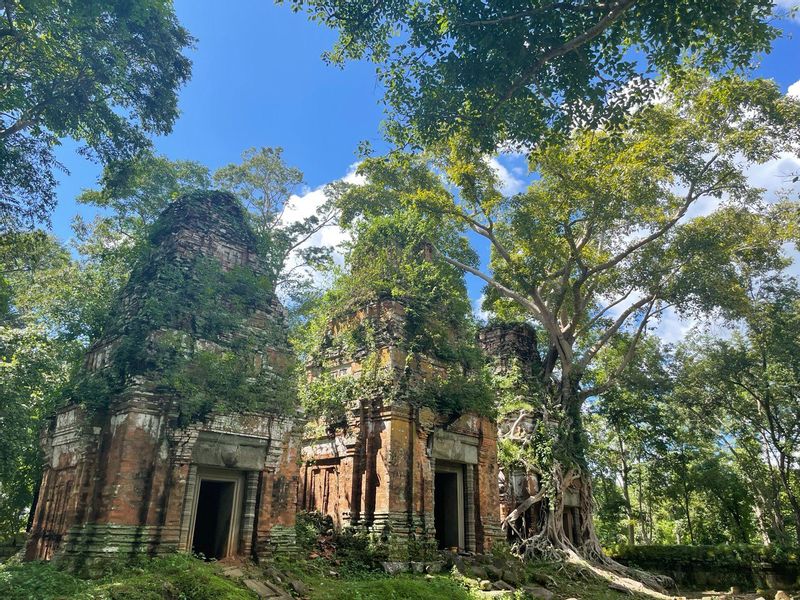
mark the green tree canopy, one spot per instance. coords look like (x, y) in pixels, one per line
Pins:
(265, 185)
(105, 73)
(507, 71)
(751, 384)
(604, 242)
(43, 322)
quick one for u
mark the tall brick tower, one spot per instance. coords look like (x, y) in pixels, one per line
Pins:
(392, 466)
(182, 432)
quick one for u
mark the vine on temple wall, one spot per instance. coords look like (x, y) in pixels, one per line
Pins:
(446, 375)
(186, 331)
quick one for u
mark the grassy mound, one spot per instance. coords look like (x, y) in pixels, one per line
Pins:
(176, 576)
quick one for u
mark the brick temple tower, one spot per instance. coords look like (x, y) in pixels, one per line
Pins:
(140, 467)
(393, 467)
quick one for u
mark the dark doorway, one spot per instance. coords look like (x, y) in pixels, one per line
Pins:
(445, 509)
(212, 525)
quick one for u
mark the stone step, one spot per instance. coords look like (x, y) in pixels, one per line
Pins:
(264, 589)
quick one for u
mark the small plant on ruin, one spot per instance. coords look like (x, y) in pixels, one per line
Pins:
(186, 328)
(434, 329)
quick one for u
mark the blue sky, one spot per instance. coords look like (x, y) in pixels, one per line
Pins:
(259, 80)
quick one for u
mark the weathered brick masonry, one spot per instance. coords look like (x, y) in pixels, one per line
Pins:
(130, 478)
(379, 471)
(137, 476)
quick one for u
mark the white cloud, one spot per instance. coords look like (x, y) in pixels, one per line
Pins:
(302, 206)
(794, 90)
(482, 316)
(673, 328)
(510, 184)
(776, 175)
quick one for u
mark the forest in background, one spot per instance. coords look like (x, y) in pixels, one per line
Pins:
(693, 443)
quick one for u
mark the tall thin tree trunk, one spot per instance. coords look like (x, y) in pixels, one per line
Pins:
(688, 514)
(761, 522)
(686, 498)
(626, 490)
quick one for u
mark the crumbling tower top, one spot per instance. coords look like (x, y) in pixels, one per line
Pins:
(199, 295)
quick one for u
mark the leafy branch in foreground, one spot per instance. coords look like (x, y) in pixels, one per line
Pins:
(606, 241)
(103, 73)
(512, 72)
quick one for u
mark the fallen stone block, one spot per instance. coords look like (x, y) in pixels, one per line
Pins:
(538, 593)
(233, 573)
(299, 587)
(434, 567)
(502, 585)
(394, 567)
(494, 573)
(264, 589)
(477, 572)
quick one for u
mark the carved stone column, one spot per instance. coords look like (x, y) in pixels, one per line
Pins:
(186, 517)
(249, 515)
(469, 508)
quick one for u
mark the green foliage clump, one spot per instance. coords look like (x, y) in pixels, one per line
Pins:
(105, 74)
(374, 586)
(327, 397)
(172, 576)
(215, 380)
(40, 291)
(389, 261)
(308, 526)
(504, 72)
(354, 550)
(730, 555)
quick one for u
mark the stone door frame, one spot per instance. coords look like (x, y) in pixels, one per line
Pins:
(459, 451)
(227, 476)
(459, 469)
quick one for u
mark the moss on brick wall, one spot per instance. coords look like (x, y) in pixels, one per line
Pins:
(198, 321)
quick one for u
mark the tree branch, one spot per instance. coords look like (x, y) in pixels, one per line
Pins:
(16, 127)
(609, 333)
(688, 200)
(614, 14)
(508, 292)
(530, 13)
(629, 354)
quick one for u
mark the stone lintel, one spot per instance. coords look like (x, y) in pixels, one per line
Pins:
(454, 447)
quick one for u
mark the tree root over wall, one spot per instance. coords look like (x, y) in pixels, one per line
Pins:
(552, 543)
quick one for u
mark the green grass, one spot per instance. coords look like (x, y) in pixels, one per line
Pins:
(39, 580)
(174, 577)
(564, 580)
(182, 577)
(381, 587)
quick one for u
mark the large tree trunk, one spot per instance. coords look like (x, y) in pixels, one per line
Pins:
(625, 474)
(550, 440)
(785, 469)
(564, 504)
(566, 523)
(796, 511)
